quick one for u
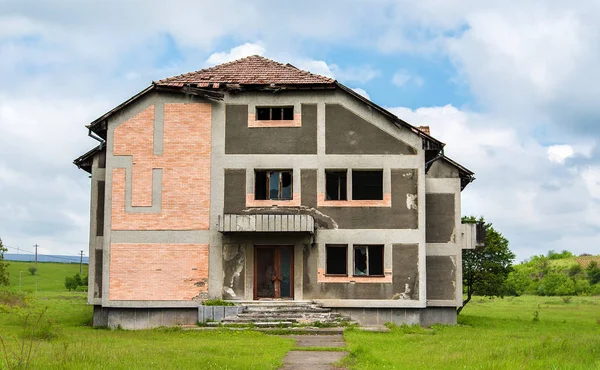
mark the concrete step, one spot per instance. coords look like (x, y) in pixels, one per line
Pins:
(258, 324)
(286, 309)
(290, 314)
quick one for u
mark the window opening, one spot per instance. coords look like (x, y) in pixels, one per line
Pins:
(336, 259)
(368, 260)
(274, 113)
(336, 185)
(367, 185)
(273, 185)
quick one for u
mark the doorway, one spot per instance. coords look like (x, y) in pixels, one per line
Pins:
(274, 272)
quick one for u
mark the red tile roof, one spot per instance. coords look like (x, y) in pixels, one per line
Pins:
(252, 70)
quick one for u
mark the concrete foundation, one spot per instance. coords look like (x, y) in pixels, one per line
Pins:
(143, 318)
(400, 316)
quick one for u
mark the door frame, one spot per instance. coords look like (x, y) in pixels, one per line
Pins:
(276, 248)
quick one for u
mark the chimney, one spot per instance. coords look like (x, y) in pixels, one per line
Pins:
(425, 129)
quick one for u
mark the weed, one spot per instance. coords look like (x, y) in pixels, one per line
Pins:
(536, 316)
(567, 299)
(217, 302)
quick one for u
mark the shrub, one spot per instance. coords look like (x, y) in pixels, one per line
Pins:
(10, 299)
(32, 270)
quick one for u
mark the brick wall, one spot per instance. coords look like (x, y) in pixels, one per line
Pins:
(158, 271)
(186, 169)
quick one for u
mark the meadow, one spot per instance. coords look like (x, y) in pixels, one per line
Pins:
(527, 332)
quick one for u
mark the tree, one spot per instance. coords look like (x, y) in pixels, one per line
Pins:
(71, 283)
(4, 275)
(486, 267)
(32, 270)
(593, 273)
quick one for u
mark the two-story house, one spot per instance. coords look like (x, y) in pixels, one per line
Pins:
(254, 180)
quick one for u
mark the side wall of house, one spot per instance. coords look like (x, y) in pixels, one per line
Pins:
(444, 253)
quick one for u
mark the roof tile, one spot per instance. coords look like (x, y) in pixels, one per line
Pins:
(252, 70)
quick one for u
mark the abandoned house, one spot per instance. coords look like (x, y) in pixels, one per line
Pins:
(256, 181)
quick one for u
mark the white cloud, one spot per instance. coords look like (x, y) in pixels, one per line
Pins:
(591, 176)
(362, 92)
(402, 77)
(559, 153)
(533, 203)
(237, 52)
(360, 74)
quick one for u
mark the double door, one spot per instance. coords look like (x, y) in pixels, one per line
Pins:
(274, 272)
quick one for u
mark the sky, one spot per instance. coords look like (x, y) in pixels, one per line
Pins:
(511, 87)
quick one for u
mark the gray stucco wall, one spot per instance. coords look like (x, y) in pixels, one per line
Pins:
(440, 216)
(441, 277)
(241, 139)
(399, 216)
(405, 271)
(348, 133)
(234, 195)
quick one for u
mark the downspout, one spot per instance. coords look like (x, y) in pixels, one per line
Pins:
(96, 137)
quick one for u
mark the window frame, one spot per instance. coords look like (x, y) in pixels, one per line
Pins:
(345, 246)
(356, 183)
(283, 109)
(267, 173)
(357, 246)
(331, 171)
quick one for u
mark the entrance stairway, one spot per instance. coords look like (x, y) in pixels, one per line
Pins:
(284, 314)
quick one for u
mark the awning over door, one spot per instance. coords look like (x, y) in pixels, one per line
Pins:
(230, 223)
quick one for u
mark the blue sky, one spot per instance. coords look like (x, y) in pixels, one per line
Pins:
(510, 87)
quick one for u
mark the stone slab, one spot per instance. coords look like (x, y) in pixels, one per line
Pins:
(318, 340)
(314, 360)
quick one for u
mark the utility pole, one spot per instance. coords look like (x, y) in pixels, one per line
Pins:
(36, 247)
(80, 262)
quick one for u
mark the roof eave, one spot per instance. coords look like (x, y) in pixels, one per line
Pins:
(429, 142)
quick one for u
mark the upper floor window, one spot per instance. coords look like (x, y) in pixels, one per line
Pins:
(274, 113)
(367, 184)
(273, 184)
(336, 185)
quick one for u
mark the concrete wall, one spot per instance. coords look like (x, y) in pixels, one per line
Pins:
(443, 236)
(401, 316)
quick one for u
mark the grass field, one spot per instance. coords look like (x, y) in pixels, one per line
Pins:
(511, 333)
(50, 276)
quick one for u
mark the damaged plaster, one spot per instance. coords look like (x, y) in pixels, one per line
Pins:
(234, 257)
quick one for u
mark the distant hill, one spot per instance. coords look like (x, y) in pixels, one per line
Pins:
(44, 258)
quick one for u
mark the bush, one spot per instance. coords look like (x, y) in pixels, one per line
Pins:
(75, 282)
(9, 298)
(32, 270)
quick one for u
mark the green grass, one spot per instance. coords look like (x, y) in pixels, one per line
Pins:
(492, 334)
(79, 346)
(50, 276)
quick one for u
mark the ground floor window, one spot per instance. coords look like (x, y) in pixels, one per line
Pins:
(336, 256)
(368, 260)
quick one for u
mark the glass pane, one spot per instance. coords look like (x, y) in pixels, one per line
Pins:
(376, 260)
(360, 261)
(260, 185)
(285, 268)
(286, 185)
(274, 185)
(265, 265)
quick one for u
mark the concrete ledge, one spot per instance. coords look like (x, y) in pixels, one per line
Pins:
(371, 303)
(217, 313)
(143, 318)
(400, 316)
(151, 304)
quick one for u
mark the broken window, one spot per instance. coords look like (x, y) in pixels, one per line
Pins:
(335, 185)
(274, 185)
(336, 256)
(274, 113)
(367, 185)
(368, 260)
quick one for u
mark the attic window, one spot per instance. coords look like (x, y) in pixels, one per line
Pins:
(275, 113)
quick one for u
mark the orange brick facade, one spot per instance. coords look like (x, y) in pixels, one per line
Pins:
(185, 163)
(158, 272)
